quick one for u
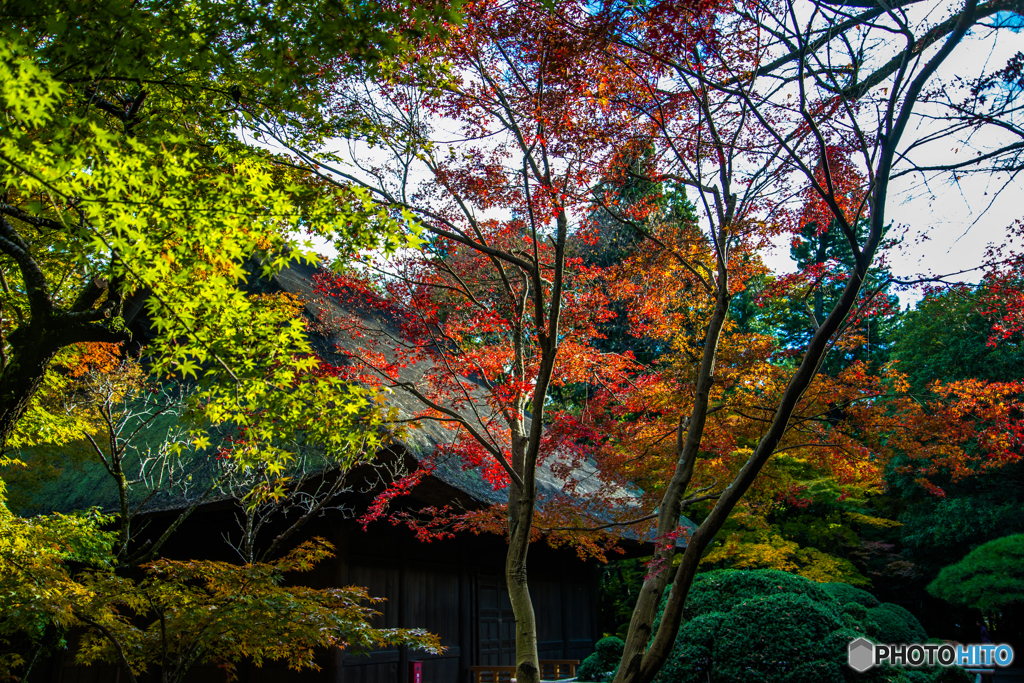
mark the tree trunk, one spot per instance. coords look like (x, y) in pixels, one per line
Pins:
(521, 505)
(641, 666)
(33, 348)
(520, 521)
(30, 356)
(642, 621)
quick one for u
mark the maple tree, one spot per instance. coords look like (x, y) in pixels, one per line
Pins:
(129, 185)
(776, 124)
(830, 459)
(761, 111)
(119, 196)
(495, 310)
(180, 614)
(556, 121)
(944, 341)
(135, 431)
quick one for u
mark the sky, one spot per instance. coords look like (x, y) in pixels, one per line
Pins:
(947, 226)
(944, 231)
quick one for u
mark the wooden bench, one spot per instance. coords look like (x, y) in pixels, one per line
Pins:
(492, 674)
(550, 670)
(558, 669)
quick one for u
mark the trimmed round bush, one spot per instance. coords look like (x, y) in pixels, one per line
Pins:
(889, 623)
(780, 638)
(694, 653)
(772, 627)
(723, 589)
(605, 658)
(989, 577)
(783, 637)
(610, 647)
(845, 593)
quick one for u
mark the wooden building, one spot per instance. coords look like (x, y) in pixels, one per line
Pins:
(454, 587)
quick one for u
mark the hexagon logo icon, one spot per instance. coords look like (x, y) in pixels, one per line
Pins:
(861, 654)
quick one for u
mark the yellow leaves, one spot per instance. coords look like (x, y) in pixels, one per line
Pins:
(899, 380)
(179, 610)
(36, 587)
(766, 549)
(220, 612)
(54, 416)
(185, 222)
(763, 551)
(877, 522)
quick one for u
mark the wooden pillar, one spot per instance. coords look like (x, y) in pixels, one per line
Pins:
(403, 612)
(466, 620)
(564, 589)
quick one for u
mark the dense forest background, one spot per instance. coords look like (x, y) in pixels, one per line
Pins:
(894, 535)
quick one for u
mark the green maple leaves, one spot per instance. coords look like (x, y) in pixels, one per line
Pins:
(178, 226)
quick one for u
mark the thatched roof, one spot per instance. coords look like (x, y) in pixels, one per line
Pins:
(86, 484)
(428, 435)
(423, 440)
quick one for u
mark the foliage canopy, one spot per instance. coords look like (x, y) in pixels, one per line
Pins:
(989, 577)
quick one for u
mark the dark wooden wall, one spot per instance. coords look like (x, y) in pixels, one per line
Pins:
(454, 588)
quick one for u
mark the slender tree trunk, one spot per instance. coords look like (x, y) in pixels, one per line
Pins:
(520, 521)
(642, 622)
(522, 503)
(641, 666)
(125, 503)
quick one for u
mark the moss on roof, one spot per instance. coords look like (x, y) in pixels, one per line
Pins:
(82, 482)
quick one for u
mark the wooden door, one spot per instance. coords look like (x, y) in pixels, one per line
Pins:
(497, 632)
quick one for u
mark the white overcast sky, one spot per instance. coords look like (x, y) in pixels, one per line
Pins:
(948, 225)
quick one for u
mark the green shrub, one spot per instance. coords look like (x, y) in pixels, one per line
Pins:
(782, 638)
(889, 623)
(610, 648)
(989, 577)
(845, 593)
(694, 653)
(721, 590)
(773, 627)
(775, 638)
(857, 612)
(605, 658)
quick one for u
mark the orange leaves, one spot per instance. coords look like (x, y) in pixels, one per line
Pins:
(971, 426)
(92, 357)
